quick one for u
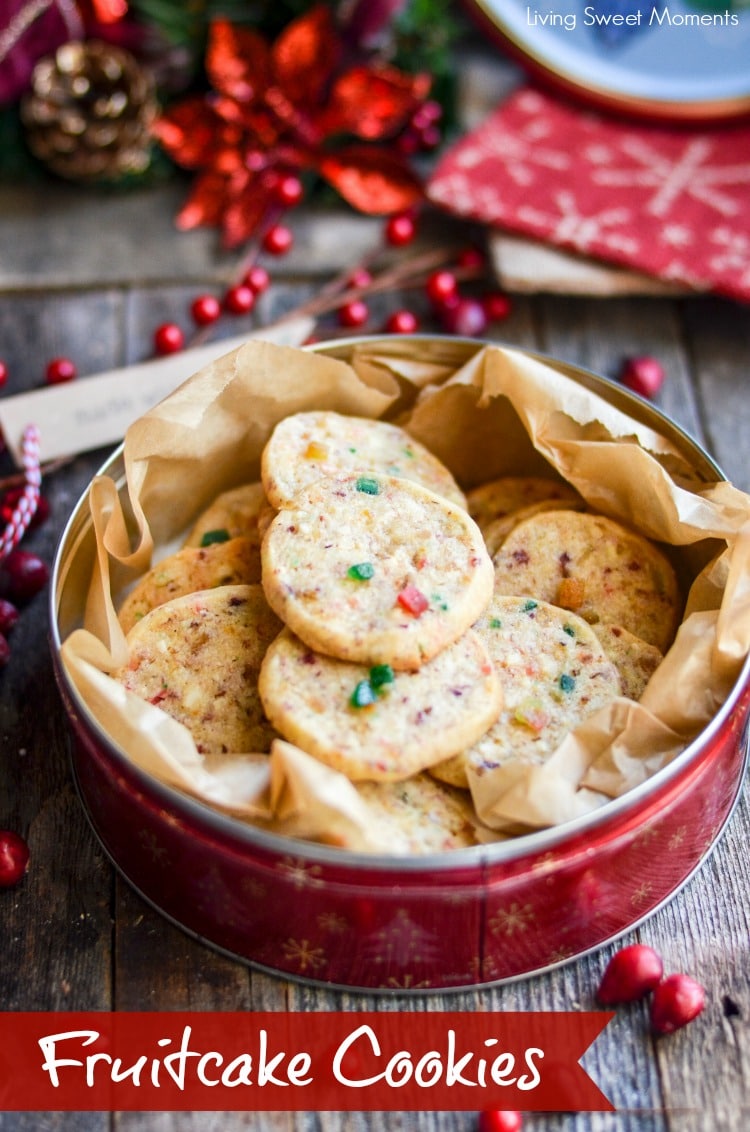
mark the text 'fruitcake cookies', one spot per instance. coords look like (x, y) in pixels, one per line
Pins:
(553, 673)
(376, 569)
(373, 723)
(305, 446)
(419, 815)
(198, 657)
(595, 567)
(230, 563)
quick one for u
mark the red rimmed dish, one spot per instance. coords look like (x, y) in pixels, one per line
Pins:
(474, 916)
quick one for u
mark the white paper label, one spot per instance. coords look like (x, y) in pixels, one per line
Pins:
(97, 410)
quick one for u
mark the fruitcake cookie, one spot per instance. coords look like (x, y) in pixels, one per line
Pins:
(373, 723)
(496, 532)
(376, 569)
(236, 562)
(233, 513)
(634, 659)
(419, 815)
(305, 446)
(197, 657)
(499, 497)
(595, 567)
(553, 673)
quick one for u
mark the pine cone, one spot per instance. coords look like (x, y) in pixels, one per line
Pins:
(89, 112)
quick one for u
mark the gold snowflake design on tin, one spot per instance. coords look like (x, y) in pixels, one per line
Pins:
(642, 894)
(677, 838)
(332, 922)
(254, 888)
(301, 873)
(150, 844)
(402, 941)
(405, 982)
(304, 954)
(512, 920)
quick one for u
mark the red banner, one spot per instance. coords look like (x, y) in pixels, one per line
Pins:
(288, 1062)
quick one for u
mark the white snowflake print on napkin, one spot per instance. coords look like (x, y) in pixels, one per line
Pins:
(673, 203)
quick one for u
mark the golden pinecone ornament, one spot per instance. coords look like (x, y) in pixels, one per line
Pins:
(89, 111)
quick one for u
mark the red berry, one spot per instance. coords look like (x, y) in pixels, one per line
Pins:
(497, 306)
(8, 616)
(289, 191)
(205, 309)
(60, 370)
(14, 858)
(3, 373)
(500, 1120)
(441, 287)
(355, 313)
(257, 279)
(239, 299)
(676, 1002)
(22, 575)
(400, 229)
(4, 651)
(470, 257)
(427, 114)
(402, 322)
(430, 137)
(643, 375)
(466, 318)
(278, 240)
(408, 142)
(168, 338)
(630, 974)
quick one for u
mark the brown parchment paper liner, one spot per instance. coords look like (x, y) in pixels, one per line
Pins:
(500, 412)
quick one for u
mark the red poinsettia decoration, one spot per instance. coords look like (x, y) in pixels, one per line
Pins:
(286, 108)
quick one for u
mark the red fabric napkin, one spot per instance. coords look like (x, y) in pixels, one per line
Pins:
(674, 203)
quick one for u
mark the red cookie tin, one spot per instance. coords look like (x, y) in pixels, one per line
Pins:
(473, 916)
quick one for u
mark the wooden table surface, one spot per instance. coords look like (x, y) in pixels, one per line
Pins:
(90, 277)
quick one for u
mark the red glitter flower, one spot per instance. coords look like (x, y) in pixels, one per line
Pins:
(290, 107)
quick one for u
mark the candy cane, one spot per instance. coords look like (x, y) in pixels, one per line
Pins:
(29, 499)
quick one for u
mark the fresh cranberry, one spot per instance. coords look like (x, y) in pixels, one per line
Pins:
(8, 616)
(677, 1000)
(500, 1120)
(3, 373)
(10, 502)
(644, 375)
(168, 338)
(402, 322)
(14, 858)
(205, 309)
(257, 279)
(497, 306)
(239, 299)
(278, 239)
(427, 114)
(22, 575)
(470, 257)
(409, 142)
(430, 137)
(4, 651)
(289, 191)
(630, 974)
(466, 318)
(441, 287)
(354, 313)
(60, 370)
(400, 229)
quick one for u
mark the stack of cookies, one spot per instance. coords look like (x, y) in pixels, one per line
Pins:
(358, 605)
